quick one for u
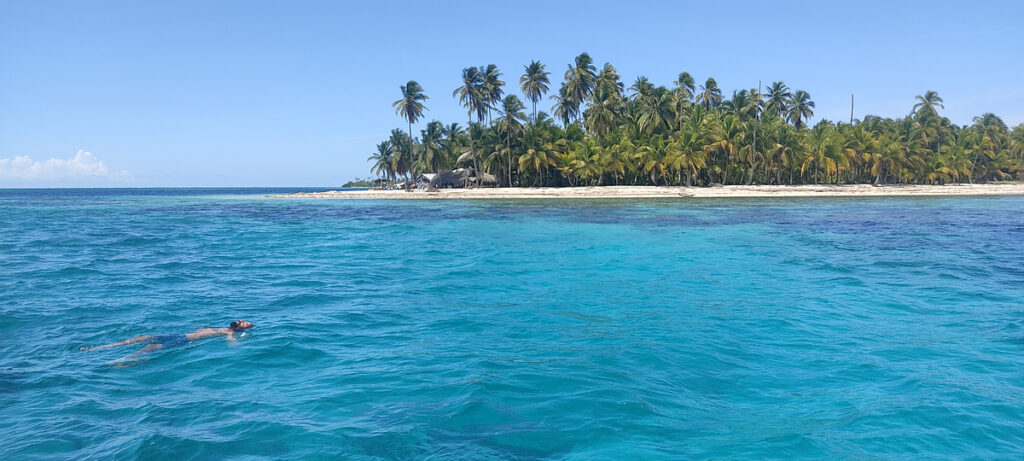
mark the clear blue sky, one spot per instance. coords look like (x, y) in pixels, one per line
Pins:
(217, 93)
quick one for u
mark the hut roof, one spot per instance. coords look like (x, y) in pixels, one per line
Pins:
(487, 178)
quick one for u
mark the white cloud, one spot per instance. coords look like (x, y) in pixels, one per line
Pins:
(81, 169)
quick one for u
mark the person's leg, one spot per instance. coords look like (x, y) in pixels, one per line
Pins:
(134, 340)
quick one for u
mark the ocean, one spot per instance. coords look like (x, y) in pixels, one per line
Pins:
(832, 328)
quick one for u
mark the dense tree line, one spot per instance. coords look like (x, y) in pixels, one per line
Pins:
(605, 133)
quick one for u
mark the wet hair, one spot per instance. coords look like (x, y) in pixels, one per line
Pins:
(234, 325)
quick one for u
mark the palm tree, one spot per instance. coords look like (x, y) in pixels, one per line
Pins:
(564, 107)
(685, 86)
(686, 150)
(927, 103)
(730, 138)
(744, 104)
(452, 144)
(954, 163)
(642, 89)
(778, 98)
(511, 124)
(579, 81)
(825, 151)
(801, 108)
(534, 83)
(655, 111)
(383, 160)
(609, 81)
(537, 159)
(710, 95)
(1017, 147)
(492, 88)
(402, 161)
(603, 113)
(428, 156)
(682, 97)
(473, 97)
(410, 107)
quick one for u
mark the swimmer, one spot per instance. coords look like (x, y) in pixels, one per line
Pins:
(158, 342)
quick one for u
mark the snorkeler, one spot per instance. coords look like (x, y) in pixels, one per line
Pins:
(157, 342)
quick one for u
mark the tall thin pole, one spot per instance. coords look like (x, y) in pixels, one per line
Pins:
(851, 109)
(757, 115)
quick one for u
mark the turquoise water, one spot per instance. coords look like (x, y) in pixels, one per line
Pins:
(729, 329)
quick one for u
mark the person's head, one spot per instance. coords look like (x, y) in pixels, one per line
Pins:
(240, 325)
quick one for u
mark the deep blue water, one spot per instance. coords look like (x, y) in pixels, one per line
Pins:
(882, 328)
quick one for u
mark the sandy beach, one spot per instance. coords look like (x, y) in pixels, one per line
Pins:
(612, 192)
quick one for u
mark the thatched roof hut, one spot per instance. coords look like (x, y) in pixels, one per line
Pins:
(424, 180)
(487, 179)
(448, 179)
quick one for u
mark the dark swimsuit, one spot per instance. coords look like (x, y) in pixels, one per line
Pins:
(169, 341)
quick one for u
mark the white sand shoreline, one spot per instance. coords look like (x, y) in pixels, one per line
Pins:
(612, 192)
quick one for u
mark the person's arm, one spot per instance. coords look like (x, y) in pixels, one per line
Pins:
(231, 336)
(122, 343)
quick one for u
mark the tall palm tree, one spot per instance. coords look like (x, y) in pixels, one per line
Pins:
(579, 80)
(534, 83)
(682, 96)
(801, 108)
(511, 123)
(609, 80)
(411, 107)
(685, 86)
(778, 98)
(473, 96)
(710, 95)
(492, 88)
(927, 103)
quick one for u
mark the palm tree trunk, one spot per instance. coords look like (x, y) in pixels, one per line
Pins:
(472, 151)
(412, 156)
(508, 154)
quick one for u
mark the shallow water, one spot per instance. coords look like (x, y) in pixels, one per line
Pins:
(757, 328)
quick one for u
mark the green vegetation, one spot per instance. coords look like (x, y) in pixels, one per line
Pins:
(369, 182)
(687, 135)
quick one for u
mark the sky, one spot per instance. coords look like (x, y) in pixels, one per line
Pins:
(298, 93)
